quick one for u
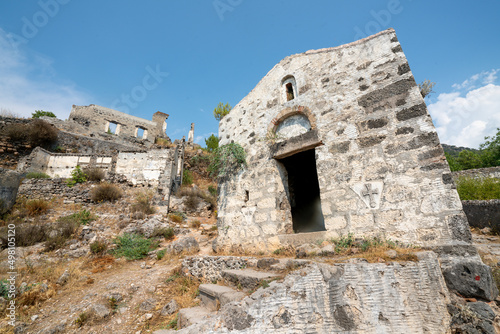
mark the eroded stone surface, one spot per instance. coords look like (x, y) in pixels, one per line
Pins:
(408, 297)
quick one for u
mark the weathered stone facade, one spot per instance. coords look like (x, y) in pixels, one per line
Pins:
(99, 119)
(338, 141)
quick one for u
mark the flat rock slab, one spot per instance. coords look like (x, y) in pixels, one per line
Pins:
(192, 315)
(214, 296)
(247, 278)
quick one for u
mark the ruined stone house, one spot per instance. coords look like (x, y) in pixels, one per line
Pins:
(105, 120)
(338, 141)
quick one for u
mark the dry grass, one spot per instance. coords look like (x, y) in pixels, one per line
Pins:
(195, 223)
(36, 207)
(94, 174)
(182, 289)
(176, 218)
(99, 264)
(105, 192)
(143, 203)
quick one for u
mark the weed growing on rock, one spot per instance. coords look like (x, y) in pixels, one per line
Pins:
(77, 176)
(226, 160)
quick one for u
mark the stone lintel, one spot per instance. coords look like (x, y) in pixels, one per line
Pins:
(296, 144)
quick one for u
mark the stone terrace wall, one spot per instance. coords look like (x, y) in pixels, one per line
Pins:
(480, 172)
(49, 188)
(365, 108)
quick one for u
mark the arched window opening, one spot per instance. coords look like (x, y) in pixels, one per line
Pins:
(289, 92)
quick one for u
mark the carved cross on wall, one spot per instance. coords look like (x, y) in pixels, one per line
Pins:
(371, 193)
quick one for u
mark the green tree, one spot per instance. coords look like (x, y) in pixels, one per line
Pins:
(490, 150)
(41, 113)
(426, 88)
(212, 143)
(453, 162)
(469, 160)
(221, 111)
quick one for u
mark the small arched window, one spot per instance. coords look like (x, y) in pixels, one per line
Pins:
(289, 88)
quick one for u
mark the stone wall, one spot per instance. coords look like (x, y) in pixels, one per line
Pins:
(99, 119)
(49, 188)
(380, 167)
(480, 172)
(150, 168)
(482, 214)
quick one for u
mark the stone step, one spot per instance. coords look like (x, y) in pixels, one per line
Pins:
(192, 315)
(249, 279)
(214, 296)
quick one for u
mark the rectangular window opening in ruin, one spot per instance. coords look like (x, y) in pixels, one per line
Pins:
(140, 133)
(303, 191)
(112, 128)
(289, 91)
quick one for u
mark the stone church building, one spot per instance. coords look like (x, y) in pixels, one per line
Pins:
(338, 141)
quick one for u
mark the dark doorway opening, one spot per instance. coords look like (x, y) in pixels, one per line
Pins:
(303, 192)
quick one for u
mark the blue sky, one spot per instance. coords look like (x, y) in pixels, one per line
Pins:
(183, 57)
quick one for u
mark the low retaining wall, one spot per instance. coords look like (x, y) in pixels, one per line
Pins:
(49, 188)
(483, 213)
(480, 172)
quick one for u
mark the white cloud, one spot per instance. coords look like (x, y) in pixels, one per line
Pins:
(483, 78)
(465, 119)
(29, 82)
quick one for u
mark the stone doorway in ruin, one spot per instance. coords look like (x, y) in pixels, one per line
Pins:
(303, 192)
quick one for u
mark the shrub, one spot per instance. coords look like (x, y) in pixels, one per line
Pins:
(195, 223)
(168, 233)
(94, 174)
(227, 159)
(143, 203)
(26, 234)
(41, 113)
(133, 246)
(77, 176)
(41, 133)
(191, 202)
(98, 247)
(105, 192)
(82, 217)
(176, 217)
(37, 207)
(16, 132)
(187, 178)
(162, 142)
(212, 190)
(37, 175)
(470, 188)
(160, 254)
(4, 288)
